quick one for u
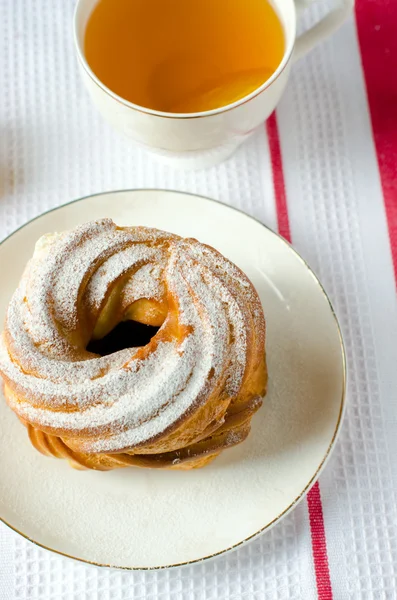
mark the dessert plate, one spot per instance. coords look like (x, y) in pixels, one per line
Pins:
(148, 519)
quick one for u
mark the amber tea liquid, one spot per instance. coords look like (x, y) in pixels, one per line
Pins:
(184, 55)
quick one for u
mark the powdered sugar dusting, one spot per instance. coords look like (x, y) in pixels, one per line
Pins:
(123, 400)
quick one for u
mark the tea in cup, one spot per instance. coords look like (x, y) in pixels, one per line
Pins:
(190, 81)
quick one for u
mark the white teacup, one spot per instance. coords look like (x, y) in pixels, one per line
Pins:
(199, 140)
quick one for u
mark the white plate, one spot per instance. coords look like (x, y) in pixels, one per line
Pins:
(137, 518)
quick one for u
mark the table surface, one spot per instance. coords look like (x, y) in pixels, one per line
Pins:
(321, 171)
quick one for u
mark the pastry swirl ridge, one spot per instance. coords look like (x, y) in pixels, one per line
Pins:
(176, 402)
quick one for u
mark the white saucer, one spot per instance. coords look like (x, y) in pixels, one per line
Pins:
(137, 518)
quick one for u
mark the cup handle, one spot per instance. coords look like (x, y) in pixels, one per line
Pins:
(328, 24)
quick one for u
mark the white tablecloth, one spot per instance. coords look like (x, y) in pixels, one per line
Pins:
(55, 147)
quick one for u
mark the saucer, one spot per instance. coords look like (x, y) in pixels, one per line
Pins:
(150, 519)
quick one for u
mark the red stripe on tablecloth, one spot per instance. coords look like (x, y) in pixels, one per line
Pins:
(377, 34)
(316, 518)
(319, 543)
(278, 177)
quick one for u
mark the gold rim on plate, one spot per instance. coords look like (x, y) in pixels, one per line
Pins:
(337, 426)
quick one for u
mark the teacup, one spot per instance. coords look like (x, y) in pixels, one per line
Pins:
(202, 139)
